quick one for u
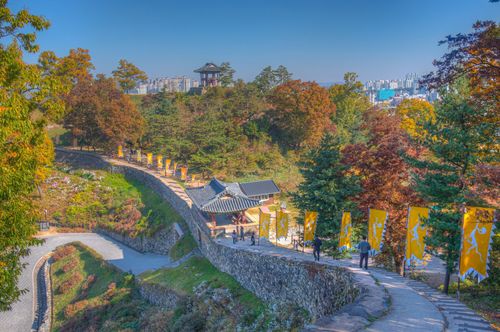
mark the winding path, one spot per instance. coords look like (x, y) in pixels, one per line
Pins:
(20, 318)
(415, 306)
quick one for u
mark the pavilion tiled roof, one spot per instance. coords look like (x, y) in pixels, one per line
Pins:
(221, 197)
(209, 67)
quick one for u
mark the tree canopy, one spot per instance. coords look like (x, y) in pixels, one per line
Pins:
(128, 75)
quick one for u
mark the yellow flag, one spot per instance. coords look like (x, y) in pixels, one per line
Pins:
(138, 156)
(120, 151)
(415, 234)
(376, 229)
(149, 157)
(264, 222)
(310, 225)
(281, 224)
(345, 232)
(175, 167)
(477, 232)
(167, 166)
(159, 161)
(184, 171)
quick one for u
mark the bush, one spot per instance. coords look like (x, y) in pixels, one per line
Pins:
(72, 309)
(62, 252)
(70, 265)
(69, 284)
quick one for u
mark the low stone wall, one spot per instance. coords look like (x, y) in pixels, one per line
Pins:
(158, 295)
(321, 290)
(160, 243)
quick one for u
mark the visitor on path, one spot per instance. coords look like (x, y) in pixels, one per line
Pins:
(234, 236)
(252, 239)
(364, 249)
(242, 233)
(316, 247)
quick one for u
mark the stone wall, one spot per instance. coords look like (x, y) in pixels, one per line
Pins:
(321, 290)
(158, 295)
(160, 243)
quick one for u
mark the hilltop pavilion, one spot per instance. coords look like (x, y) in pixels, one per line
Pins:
(217, 197)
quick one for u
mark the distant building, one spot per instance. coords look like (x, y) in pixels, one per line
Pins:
(209, 75)
(168, 84)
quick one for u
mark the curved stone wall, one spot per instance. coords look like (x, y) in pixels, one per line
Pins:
(321, 290)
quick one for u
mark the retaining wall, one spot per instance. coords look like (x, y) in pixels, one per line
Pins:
(321, 290)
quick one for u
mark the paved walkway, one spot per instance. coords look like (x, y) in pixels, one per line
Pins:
(20, 318)
(415, 306)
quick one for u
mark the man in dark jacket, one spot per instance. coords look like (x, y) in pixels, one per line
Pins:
(364, 249)
(316, 247)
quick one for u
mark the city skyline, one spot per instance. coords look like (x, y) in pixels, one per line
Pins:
(317, 41)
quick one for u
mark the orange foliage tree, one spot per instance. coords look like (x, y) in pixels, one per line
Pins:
(301, 112)
(385, 179)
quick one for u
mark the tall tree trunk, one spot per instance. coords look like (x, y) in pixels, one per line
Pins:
(447, 281)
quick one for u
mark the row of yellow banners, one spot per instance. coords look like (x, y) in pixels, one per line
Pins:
(477, 231)
(159, 162)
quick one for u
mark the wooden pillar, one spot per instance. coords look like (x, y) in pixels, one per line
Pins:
(212, 218)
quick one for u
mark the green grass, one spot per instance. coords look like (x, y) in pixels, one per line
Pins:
(183, 247)
(85, 198)
(196, 270)
(96, 305)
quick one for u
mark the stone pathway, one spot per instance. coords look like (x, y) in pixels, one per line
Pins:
(415, 306)
(20, 318)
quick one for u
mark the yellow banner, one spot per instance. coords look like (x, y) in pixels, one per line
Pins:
(175, 167)
(476, 238)
(149, 157)
(159, 161)
(415, 234)
(184, 172)
(310, 225)
(376, 229)
(138, 156)
(167, 166)
(345, 232)
(264, 222)
(281, 224)
(120, 151)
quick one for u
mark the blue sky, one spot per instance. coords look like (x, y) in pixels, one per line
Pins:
(316, 40)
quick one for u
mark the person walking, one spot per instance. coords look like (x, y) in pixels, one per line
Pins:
(242, 233)
(234, 236)
(316, 247)
(364, 249)
(252, 239)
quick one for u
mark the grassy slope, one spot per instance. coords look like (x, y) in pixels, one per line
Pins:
(196, 270)
(183, 247)
(98, 306)
(82, 197)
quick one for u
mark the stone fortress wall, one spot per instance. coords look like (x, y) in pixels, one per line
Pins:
(319, 289)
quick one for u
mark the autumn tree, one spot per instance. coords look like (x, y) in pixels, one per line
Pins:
(351, 102)
(385, 179)
(270, 78)
(101, 116)
(328, 187)
(128, 75)
(301, 112)
(25, 149)
(414, 114)
(460, 145)
(476, 56)
(226, 74)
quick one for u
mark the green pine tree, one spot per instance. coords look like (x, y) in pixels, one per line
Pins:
(327, 186)
(458, 140)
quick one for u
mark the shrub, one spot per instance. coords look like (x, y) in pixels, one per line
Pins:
(72, 281)
(90, 280)
(62, 252)
(70, 265)
(73, 308)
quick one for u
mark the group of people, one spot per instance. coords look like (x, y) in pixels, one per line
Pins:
(234, 235)
(363, 247)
